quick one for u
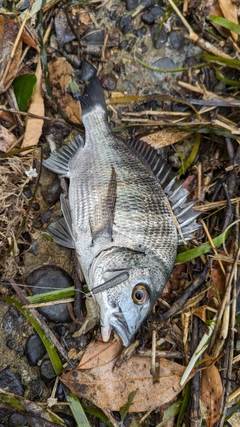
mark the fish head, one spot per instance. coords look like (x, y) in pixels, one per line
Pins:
(124, 306)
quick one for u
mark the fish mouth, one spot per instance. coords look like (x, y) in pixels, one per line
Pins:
(119, 325)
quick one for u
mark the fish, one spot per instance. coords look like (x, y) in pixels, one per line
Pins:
(117, 217)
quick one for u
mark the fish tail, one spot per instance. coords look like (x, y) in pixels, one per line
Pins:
(92, 97)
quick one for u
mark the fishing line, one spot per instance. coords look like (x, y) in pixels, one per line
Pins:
(117, 280)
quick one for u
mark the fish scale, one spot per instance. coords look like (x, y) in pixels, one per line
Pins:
(117, 217)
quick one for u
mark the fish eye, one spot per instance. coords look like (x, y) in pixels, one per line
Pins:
(140, 294)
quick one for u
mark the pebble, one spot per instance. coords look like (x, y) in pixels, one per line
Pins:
(12, 321)
(153, 14)
(16, 420)
(109, 81)
(34, 349)
(125, 24)
(176, 40)
(141, 32)
(36, 206)
(11, 381)
(36, 389)
(93, 35)
(133, 4)
(27, 192)
(47, 372)
(48, 278)
(45, 217)
(69, 420)
(51, 192)
(123, 44)
(159, 38)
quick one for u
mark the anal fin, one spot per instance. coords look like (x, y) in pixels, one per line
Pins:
(101, 222)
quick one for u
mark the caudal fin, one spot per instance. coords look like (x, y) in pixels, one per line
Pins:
(92, 96)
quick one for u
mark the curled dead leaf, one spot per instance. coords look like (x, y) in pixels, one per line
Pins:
(61, 73)
(7, 139)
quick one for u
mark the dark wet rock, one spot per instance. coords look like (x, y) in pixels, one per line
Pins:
(159, 37)
(191, 61)
(131, 44)
(45, 217)
(133, 4)
(34, 349)
(58, 129)
(109, 81)
(10, 343)
(140, 32)
(51, 192)
(12, 321)
(20, 350)
(123, 45)
(27, 192)
(92, 35)
(69, 420)
(36, 206)
(152, 15)
(61, 330)
(47, 278)
(162, 64)
(11, 381)
(16, 420)
(119, 67)
(125, 24)
(63, 31)
(47, 372)
(60, 392)
(176, 40)
(87, 71)
(143, 48)
(36, 389)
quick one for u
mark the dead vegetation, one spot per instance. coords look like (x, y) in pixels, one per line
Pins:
(195, 326)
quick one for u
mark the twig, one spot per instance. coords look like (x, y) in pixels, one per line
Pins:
(178, 305)
(195, 382)
(212, 245)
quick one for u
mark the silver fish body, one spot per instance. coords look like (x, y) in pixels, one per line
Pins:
(120, 221)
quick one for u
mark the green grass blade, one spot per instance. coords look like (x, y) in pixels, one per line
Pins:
(223, 22)
(170, 412)
(77, 410)
(202, 249)
(51, 295)
(125, 408)
(192, 156)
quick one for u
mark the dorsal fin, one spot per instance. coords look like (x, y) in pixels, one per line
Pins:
(59, 159)
(174, 189)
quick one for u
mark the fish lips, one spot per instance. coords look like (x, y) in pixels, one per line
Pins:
(119, 324)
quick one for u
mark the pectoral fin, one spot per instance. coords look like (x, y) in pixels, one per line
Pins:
(61, 230)
(101, 222)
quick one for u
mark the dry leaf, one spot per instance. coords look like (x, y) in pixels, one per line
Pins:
(109, 390)
(8, 67)
(211, 394)
(60, 73)
(7, 139)
(230, 11)
(201, 313)
(234, 421)
(164, 137)
(34, 126)
(100, 353)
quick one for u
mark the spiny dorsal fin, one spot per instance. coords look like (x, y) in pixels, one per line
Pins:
(59, 159)
(174, 189)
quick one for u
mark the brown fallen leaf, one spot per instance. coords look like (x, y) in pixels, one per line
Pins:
(230, 11)
(7, 139)
(60, 74)
(34, 126)
(211, 393)
(100, 353)
(164, 137)
(109, 390)
(8, 66)
(213, 8)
